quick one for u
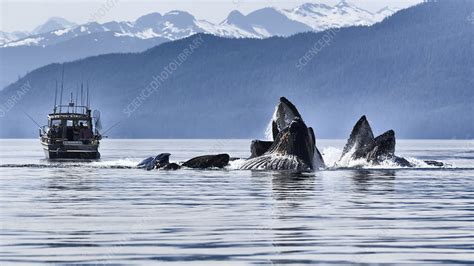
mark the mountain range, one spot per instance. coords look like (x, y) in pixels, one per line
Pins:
(59, 40)
(412, 73)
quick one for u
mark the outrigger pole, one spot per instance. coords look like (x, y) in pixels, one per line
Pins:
(32, 120)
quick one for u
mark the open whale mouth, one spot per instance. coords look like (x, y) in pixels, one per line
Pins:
(292, 145)
(285, 113)
(293, 149)
(301, 142)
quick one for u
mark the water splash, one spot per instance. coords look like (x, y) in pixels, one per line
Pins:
(331, 155)
(269, 129)
(235, 164)
(333, 159)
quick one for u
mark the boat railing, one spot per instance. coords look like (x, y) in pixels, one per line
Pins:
(71, 108)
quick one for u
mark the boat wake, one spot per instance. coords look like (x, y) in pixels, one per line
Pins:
(114, 164)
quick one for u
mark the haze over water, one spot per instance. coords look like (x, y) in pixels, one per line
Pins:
(109, 212)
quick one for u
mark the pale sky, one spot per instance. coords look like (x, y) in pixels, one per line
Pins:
(25, 15)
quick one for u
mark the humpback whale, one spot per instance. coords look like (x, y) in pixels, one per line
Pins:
(161, 161)
(294, 145)
(208, 161)
(285, 113)
(292, 149)
(363, 145)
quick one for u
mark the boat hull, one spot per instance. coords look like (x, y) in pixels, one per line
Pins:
(71, 150)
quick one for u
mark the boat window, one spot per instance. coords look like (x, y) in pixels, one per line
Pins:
(55, 123)
(69, 123)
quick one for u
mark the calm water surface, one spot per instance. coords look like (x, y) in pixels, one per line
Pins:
(108, 212)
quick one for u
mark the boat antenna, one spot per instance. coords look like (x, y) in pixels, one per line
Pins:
(55, 96)
(71, 104)
(82, 94)
(62, 88)
(31, 118)
(77, 95)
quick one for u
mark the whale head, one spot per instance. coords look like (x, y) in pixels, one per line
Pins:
(161, 160)
(297, 140)
(285, 113)
(361, 137)
(363, 145)
(292, 149)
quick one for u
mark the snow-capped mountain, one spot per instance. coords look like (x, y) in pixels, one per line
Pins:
(262, 23)
(12, 36)
(59, 40)
(320, 16)
(54, 23)
(19, 38)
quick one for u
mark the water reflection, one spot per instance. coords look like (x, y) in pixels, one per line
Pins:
(291, 193)
(69, 179)
(364, 179)
(292, 187)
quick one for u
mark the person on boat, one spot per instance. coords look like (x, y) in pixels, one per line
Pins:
(85, 133)
(55, 131)
(82, 131)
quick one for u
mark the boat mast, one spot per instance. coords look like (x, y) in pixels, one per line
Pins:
(71, 104)
(55, 96)
(82, 94)
(87, 98)
(62, 88)
(77, 95)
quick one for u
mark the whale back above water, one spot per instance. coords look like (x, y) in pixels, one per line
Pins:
(208, 161)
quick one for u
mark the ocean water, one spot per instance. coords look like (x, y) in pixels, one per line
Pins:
(109, 212)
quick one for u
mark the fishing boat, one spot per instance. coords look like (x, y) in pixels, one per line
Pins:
(72, 131)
